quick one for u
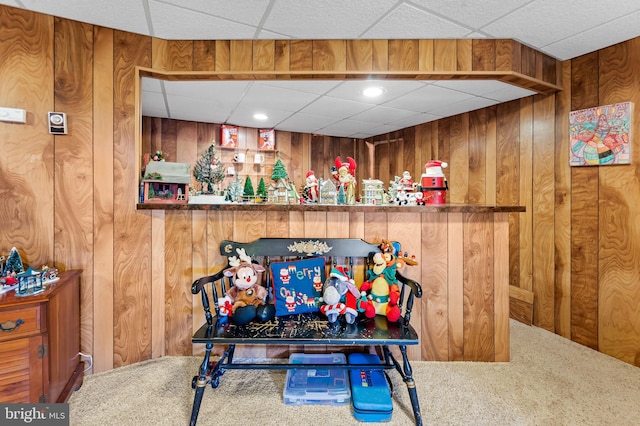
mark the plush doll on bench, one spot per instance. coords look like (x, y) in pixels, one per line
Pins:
(246, 296)
(340, 296)
(381, 280)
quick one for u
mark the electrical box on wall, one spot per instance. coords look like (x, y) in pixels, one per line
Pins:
(57, 123)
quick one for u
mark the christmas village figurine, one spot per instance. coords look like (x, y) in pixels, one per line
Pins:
(9, 269)
(311, 192)
(345, 174)
(282, 191)
(166, 182)
(248, 193)
(328, 192)
(403, 191)
(372, 192)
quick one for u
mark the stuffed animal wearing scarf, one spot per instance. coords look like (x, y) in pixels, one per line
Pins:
(381, 280)
(340, 296)
(247, 296)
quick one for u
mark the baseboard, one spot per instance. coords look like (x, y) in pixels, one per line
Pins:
(521, 305)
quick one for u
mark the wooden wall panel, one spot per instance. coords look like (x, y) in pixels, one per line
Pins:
(459, 160)
(584, 216)
(562, 217)
(435, 312)
(524, 277)
(329, 55)
(619, 227)
(132, 251)
(479, 321)
(543, 198)
(100, 342)
(465, 55)
(484, 55)
(477, 188)
(445, 55)
(403, 55)
(455, 276)
(73, 161)
(27, 185)
(204, 55)
(264, 55)
(359, 55)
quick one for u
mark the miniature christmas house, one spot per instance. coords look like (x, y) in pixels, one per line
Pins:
(372, 191)
(282, 192)
(328, 192)
(166, 182)
(29, 282)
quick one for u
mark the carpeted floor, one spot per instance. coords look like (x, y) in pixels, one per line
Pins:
(549, 381)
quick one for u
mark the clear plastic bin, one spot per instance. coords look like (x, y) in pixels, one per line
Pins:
(322, 386)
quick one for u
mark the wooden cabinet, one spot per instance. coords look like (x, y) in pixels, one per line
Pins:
(39, 343)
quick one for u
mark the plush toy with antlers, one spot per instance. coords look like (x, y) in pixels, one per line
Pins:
(247, 296)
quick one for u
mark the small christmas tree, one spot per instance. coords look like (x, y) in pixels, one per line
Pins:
(279, 172)
(14, 262)
(342, 198)
(262, 192)
(209, 170)
(248, 193)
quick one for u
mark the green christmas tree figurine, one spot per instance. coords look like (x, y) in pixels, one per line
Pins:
(261, 192)
(14, 262)
(248, 193)
(209, 170)
(279, 172)
(342, 198)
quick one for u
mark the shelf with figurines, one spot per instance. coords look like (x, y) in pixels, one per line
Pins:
(24, 282)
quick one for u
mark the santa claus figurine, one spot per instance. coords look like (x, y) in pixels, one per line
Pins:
(345, 174)
(311, 187)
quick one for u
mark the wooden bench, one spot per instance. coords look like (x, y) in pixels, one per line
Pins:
(296, 329)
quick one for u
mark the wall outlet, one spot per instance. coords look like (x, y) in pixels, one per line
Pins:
(14, 115)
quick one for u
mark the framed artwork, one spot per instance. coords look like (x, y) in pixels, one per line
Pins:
(229, 136)
(601, 135)
(267, 140)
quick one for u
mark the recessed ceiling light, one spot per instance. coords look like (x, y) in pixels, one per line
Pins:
(372, 92)
(260, 116)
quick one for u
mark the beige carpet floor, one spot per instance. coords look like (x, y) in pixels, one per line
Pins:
(549, 381)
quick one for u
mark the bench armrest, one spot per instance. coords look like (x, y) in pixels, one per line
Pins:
(197, 285)
(415, 287)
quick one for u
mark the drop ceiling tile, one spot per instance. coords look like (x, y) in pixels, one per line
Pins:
(561, 19)
(244, 11)
(119, 14)
(414, 120)
(10, 3)
(261, 96)
(340, 20)
(153, 105)
(598, 37)
(176, 23)
(195, 109)
(508, 93)
(151, 84)
(207, 89)
(352, 90)
(473, 87)
(382, 115)
(243, 116)
(474, 14)
(347, 127)
(471, 104)
(335, 107)
(408, 22)
(306, 123)
(428, 98)
(317, 87)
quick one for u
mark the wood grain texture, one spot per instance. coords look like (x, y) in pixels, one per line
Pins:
(484, 55)
(445, 55)
(619, 227)
(329, 55)
(403, 55)
(465, 55)
(584, 216)
(479, 322)
(459, 160)
(132, 247)
(435, 306)
(543, 199)
(500, 287)
(359, 55)
(455, 276)
(524, 276)
(100, 343)
(562, 217)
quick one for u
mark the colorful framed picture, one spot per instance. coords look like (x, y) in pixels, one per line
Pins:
(601, 135)
(228, 136)
(267, 140)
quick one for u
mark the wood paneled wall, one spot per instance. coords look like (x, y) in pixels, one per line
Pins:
(70, 200)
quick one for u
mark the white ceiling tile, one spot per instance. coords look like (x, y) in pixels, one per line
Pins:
(119, 14)
(208, 89)
(470, 104)
(300, 121)
(473, 13)
(560, 19)
(473, 87)
(408, 22)
(318, 87)
(175, 23)
(335, 107)
(352, 90)
(151, 84)
(342, 20)
(508, 93)
(414, 120)
(10, 3)
(598, 37)
(244, 11)
(153, 105)
(243, 115)
(382, 115)
(428, 98)
(207, 110)
(261, 96)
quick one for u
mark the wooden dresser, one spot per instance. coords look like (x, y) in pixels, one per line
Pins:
(39, 343)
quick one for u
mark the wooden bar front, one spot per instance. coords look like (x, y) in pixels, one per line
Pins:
(463, 254)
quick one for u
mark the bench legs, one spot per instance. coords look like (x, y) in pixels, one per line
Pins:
(407, 376)
(199, 383)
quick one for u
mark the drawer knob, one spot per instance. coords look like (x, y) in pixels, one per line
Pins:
(11, 325)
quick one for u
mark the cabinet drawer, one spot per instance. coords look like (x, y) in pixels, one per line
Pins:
(19, 322)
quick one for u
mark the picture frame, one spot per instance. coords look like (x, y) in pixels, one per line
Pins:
(601, 135)
(228, 136)
(267, 139)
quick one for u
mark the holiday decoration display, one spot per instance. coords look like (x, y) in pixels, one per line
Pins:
(345, 174)
(433, 183)
(311, 192)
(209, 170)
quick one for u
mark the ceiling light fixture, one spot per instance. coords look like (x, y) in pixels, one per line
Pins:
(260, 116)
(372, 92)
